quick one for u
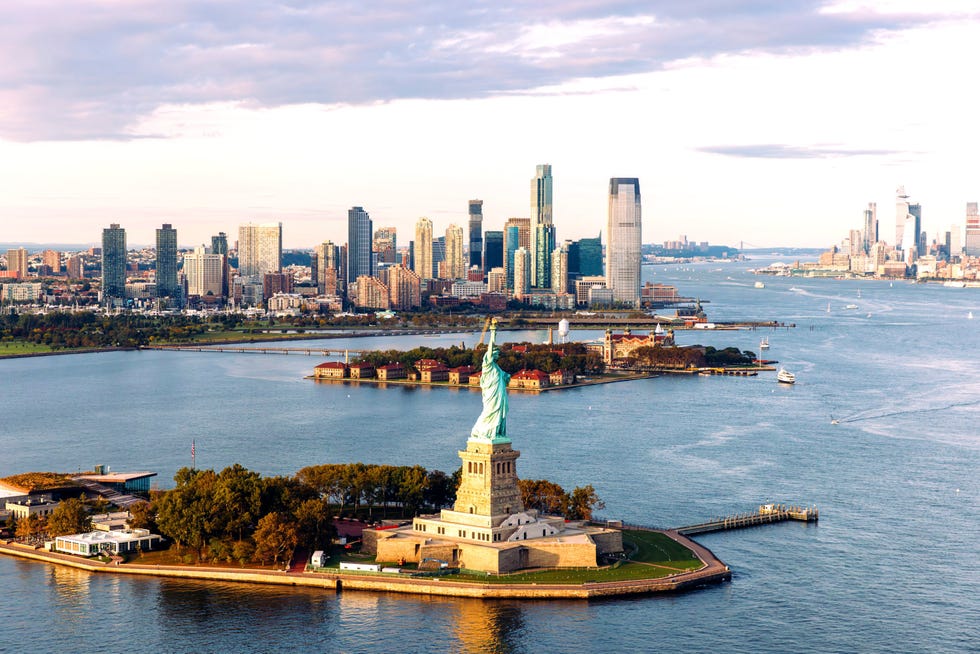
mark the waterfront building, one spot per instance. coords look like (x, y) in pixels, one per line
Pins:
(166, 272)
(455, 258)
(385, 244)
(359, 232)
(493, 250)
(52, 260)
(390, 371)
(542, 214)
(330, 370)
(422, 252)
(113, 264)
(476, 233)
(522, 273)
(204, 272)
(17, 263)
(624, 231)
(117, 542)
(972, 230)
(361, 371)
(259, 249)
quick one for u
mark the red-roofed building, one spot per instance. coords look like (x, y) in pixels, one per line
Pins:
(392, 371)
(330, 370)
(436, 373)
(361, 371)
(461, 375)
(475, 378)
(562, 377)
(529, 379)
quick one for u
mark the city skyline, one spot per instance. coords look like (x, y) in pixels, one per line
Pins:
(770, 125)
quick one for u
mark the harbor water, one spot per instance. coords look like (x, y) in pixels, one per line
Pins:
(879, 432)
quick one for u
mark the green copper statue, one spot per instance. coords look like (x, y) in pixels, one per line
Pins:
(492, 423)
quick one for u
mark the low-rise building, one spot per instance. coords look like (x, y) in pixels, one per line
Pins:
(391, 371)
(41, 506)
(562, 378)
(461, 374)
(361, 371)
(529, 380)
(114, 542)
(330, 370)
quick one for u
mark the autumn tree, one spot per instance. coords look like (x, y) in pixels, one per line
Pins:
(275, 538)
(582, 501)
(69, 517)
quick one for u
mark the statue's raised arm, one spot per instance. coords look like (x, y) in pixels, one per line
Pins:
(492, 423)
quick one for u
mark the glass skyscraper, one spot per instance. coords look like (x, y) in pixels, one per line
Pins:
(512, 241)
(541, 214)
(493, 250)
(166, 274)
(113, 263)
(359, 234)
(624, 231)
(259, 249)
(476, 234)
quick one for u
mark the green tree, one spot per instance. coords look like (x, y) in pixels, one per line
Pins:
(142, 515)
(69, 517)
(314, 521)
(238, 499)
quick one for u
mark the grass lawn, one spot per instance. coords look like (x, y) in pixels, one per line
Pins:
(22, 347)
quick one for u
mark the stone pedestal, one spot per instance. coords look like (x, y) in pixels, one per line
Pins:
(488, 491)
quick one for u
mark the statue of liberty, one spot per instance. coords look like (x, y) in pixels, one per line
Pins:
(492, 423)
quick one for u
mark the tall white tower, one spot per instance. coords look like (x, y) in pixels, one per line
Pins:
(624, 231)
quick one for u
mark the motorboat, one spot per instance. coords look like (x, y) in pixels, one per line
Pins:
(764, 344)
(760, 285)
(784, 376)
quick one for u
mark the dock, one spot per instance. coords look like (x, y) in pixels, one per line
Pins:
(766, 514)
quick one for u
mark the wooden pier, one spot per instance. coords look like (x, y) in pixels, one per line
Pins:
(767, 513)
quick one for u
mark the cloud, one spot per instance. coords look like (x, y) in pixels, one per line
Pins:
(94, 68)
(780, 151)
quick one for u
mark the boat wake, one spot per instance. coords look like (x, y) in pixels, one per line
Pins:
(862, 417)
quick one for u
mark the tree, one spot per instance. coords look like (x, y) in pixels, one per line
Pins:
(439, 490)
(142, 515)
(185, 513)
(238, 499)
(30, 526)
(314, 523)
(582, 502)
(69, 517)
(275, 538)
(543, 495)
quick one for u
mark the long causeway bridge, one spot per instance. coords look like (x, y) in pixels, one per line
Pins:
(243, 349)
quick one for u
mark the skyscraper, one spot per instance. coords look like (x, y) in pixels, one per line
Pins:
(624, 231)
(541, 214)
(559, 269)
(423, 248)
(870, 226)
(493, 250)
(522, 273)
(972, 231)
(386, 244)
(512, 243)
(204, 272)
(455, 259)
(166, 274)
(476, 234)
(17, 262)
(52, 259)
(438, 254)
(544, 243)
(113, 264)
(589, 257)
(359, 233)
(327, 258)
(259, 249)
(219, 245)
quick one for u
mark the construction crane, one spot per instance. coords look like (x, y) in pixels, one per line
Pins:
(483, 334)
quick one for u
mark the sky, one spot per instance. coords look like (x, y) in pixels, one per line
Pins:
(768, 123)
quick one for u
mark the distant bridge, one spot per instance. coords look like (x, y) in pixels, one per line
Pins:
(241, 349)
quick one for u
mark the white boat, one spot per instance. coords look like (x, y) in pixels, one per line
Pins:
(760, 285)
(851, 306)
(784, 376)
(954, 284)
(764, 344)
(969, 316)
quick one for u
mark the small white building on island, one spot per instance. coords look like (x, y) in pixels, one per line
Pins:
(114, 542)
